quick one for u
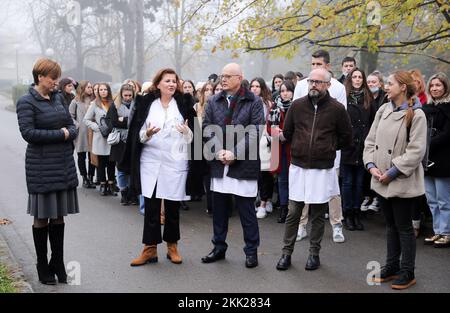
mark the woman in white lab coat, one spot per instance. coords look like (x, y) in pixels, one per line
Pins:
(157, 158)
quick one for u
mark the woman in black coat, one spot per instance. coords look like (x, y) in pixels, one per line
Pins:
(361, 109)
(51, 174)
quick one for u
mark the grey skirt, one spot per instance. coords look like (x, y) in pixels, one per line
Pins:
(53, 204)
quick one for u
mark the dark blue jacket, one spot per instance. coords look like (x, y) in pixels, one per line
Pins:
(49, 162)
(249, 111)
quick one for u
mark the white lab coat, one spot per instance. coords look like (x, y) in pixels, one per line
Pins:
(164, 157)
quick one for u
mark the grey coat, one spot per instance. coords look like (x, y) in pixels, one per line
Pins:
(387, 146)
(92, 119)
(78, 110)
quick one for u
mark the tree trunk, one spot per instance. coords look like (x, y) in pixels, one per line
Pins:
(129, 32)
(79, 69)
(140, 57)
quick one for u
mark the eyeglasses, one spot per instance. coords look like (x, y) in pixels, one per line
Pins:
(317, 82)
(227, 77)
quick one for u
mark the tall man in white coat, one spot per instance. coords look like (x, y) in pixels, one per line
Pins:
(321, 59)
(236, 164)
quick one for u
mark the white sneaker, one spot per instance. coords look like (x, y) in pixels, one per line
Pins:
(301, 233)
(261, 213)
(338, 236)
(365, 204)
(269, 207)
(375, 205)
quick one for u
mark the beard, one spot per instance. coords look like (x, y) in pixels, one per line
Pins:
(313, 93)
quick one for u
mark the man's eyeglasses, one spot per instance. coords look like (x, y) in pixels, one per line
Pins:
(227, 77)
(317, 82)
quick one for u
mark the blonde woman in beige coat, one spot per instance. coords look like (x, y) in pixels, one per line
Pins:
(393, 153)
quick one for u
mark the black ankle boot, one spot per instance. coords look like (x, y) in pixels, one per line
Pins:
(112, 189)
(283, 214)
(85, 182)
(357, 219)
(56, 264)
(124, 200)
(103, 189)
(91, 182)
(40, 236)
(349, 222)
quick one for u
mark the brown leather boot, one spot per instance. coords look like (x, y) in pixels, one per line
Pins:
(172, 253)
(148, 255)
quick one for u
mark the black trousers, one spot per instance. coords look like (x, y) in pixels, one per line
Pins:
(104, 164)
(401, 241)
(249, 222)
(152, 225)
(82, 164)
(265, 184)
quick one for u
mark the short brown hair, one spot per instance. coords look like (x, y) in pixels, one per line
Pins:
(46, 67)
(158, 78)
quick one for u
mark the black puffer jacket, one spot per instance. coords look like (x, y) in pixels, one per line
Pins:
(438, 117)
(49, 162)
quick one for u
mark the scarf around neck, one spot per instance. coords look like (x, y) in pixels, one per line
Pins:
(233, 102)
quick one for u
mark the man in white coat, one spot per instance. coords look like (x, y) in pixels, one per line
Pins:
(321, 59)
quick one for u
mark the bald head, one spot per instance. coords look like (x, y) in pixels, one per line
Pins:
(231, 78)
(233, 68)
(322, 73)
(318, 82)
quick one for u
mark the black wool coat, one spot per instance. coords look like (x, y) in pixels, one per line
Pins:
(438, 118)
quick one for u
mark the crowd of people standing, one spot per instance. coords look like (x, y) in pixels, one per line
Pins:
(335, 147)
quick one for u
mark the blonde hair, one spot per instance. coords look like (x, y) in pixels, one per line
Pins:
(444, 80)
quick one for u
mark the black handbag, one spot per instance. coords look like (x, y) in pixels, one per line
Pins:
(105, 126)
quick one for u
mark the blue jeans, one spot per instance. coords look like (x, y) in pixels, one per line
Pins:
(123, 180)
(352, 186)
(438, 198)
(283, 178)
(141, 203)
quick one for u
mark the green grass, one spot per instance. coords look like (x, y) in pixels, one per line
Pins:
(6, 283)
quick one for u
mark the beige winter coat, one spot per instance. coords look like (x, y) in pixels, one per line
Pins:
(386, 145)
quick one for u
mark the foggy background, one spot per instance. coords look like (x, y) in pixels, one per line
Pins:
(116, 40)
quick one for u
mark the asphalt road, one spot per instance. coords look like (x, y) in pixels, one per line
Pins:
(105, 237)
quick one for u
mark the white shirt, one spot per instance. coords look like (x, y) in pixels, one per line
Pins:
(164, 157)
(312, 186)
(238, 187)
(336, 90)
